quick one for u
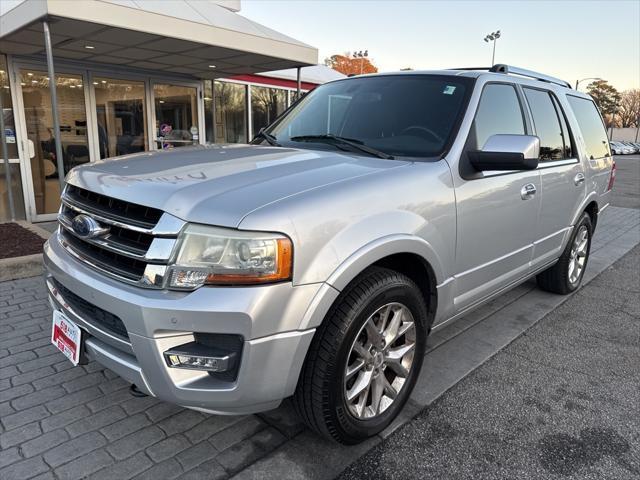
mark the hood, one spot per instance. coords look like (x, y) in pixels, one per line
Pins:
(220, 184)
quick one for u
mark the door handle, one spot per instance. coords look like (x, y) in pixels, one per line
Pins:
(528, 191)
(578, 179)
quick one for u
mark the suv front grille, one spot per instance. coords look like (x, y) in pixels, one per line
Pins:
(92, 314)
(113, 208)
(138, 239)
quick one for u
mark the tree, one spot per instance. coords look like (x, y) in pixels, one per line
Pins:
(606, 97)
(348, 65)
(629, 111)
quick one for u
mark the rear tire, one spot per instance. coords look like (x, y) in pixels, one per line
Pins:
(352, 348)
(566, 275)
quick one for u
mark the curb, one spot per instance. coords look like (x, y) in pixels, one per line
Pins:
(15, 268)
(21, 267)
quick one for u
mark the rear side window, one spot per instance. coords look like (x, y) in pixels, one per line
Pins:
(547, 125)
(590, 123)
(499, 112)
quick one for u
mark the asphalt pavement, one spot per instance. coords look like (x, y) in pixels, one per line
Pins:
(626, 192)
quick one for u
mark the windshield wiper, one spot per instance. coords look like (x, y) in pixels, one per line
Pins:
(336, 140)
(271, 140)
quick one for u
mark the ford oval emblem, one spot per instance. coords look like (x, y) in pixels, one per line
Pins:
(86, 227)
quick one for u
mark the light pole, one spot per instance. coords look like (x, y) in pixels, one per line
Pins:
(493, 37)
(361, 55)
(578, 82)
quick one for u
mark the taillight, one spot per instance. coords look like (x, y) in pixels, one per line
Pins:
(612, 177)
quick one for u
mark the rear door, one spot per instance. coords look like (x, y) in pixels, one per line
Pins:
(561, 174)
(596, 154)
(496, 220)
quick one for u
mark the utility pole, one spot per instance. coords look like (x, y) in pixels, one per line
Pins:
(578, 82)
(493, 37)
(361, 55)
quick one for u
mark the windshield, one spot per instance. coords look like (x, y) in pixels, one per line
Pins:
(399, 115)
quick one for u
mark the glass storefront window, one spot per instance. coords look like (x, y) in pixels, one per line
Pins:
(266, 105)
(176, 115)
(230, 112)
(12, 150)
(120, 110)
(73, 132)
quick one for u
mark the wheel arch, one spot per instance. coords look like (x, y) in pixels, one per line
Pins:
(406, 254)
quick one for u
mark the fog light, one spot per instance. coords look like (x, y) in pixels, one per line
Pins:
(196, 356)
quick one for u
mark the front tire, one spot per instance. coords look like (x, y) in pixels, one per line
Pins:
(566, 275)
(365, 358)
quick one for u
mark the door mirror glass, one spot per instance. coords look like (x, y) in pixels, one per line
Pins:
(507, 152)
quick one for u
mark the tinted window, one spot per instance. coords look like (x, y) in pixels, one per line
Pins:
(412, 115)
(546, 123)
(566, 133)
(593, 132)
(498, 112)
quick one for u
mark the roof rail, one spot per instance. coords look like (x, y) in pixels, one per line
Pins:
(502, 68)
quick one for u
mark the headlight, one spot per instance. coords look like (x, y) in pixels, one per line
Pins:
(218, 256)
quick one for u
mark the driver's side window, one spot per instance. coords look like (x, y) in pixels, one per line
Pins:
(499, 112)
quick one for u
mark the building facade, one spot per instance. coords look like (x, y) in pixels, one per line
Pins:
(127, 80)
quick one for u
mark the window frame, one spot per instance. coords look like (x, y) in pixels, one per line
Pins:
(465, 170)
(556, 104)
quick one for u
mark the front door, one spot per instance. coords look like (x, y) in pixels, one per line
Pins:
(496, 218)
(176, 110)
(39, 149)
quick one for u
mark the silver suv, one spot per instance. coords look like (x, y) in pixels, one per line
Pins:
(315, 262)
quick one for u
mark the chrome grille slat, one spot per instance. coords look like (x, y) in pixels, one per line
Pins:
(109, 207)
(127, 251)
(115, 247)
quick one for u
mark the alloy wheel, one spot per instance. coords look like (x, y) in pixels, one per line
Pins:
(379, 361)
(578, 255)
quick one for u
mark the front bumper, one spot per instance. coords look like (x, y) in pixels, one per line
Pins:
(267, 317)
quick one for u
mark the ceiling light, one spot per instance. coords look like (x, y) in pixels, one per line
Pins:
(212, 66)
(72, 86)
(89, 47)
(34, 81)
(103, 81)
(30, 74)
(96, 83)
(160, 101)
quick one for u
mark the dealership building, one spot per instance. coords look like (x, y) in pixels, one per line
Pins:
(132, 76)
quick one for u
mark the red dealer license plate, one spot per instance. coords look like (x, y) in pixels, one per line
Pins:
(66, 335)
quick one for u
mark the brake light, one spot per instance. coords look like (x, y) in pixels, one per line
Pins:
(612, 177)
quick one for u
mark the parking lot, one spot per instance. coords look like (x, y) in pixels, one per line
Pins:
(62, 422)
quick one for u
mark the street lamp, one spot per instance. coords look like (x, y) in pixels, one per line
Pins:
(362, 55)
(492, 37)
(578, 82)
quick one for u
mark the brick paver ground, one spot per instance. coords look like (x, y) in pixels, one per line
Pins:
(65, 422)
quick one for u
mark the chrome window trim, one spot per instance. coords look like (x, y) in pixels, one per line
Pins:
(557, 163)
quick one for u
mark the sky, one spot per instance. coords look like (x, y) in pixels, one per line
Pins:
(567, 39)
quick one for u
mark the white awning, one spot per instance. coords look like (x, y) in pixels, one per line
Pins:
(317, 74)
(191, 37)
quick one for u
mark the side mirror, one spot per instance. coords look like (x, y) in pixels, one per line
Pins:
(507, 152)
